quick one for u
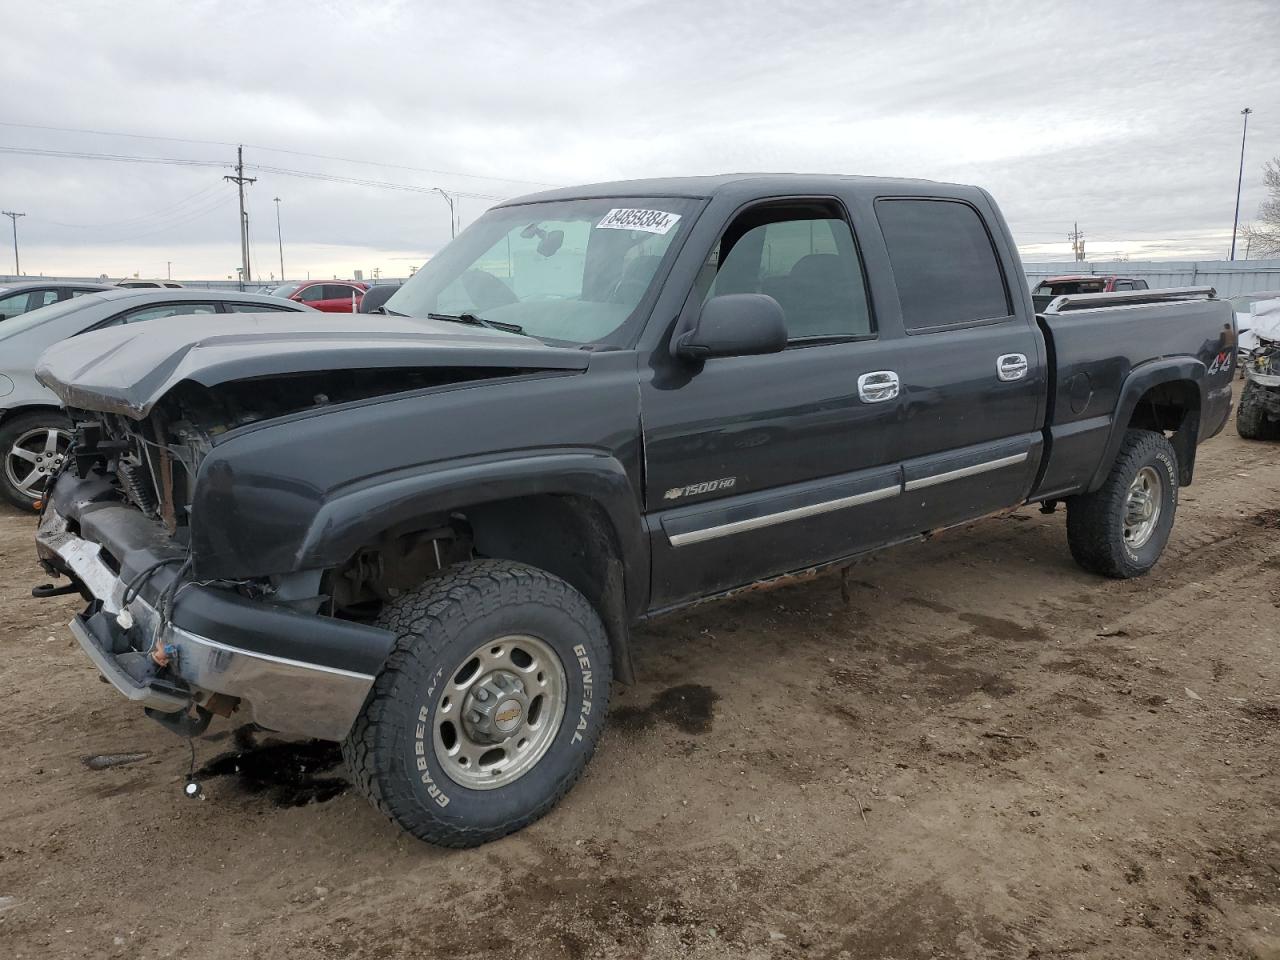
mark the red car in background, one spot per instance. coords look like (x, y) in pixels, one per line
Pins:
(331, 296)
(1052, 287)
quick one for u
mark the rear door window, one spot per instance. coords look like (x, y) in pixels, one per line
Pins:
(240, 307)
(944, 263)
(160, 311)
(339, 291)
(1123, 285)
(14, 304)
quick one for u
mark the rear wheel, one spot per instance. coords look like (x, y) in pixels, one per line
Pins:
(489, 707)
(34, 446)
(1251, 418)
(1121, 529)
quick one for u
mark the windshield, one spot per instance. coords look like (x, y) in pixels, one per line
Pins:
(570, 270)
(41, 315)
(285, 290)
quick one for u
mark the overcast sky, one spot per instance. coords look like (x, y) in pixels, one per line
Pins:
(1123, 116)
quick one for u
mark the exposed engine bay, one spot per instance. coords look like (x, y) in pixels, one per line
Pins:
(154, 461)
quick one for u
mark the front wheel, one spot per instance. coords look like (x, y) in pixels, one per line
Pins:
(1251, 418)
(489, 707)
(1121, 528)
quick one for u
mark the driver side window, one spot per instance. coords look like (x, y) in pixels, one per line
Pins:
(802, 255)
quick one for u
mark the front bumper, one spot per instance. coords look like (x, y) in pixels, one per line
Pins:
(1268, 380)
(317, 691)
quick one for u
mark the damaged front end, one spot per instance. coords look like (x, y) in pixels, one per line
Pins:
(1262, 365)
(195, 478)
(186, 650)
(118, 523)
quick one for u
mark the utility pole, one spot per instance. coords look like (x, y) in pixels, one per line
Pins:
(279, 237)
(168, 269)
(1077, 242)
(240, 180)
(453, 219)
(14, 217)
(1235, 223)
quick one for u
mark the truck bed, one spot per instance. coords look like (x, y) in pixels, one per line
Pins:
(1098, 344)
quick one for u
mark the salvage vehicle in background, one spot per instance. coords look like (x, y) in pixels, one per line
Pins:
(1046, 290)
(427, 535)
(327, 296)
(34, 432)
(1243, 305)
(19, 298)
(1259, 414)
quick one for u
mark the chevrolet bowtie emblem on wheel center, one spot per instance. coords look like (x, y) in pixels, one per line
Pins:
(507, 717)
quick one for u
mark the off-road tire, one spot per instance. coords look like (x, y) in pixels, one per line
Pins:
(1251, 419)
(437, 626)
(1095, 521)
(10, 431)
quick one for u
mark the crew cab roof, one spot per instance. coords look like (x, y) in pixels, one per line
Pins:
(762, 184)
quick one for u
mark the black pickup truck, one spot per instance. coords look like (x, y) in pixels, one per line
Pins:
(428, 534)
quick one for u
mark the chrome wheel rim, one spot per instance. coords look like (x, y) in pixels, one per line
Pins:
(34, 457)
(1142, 507)
(499, 712)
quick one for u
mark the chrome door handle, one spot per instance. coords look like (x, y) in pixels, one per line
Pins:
(1012, 366)
(877, 386)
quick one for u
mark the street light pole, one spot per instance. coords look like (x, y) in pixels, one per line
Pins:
(1235, 224)
(279, 238)
(14, 217)
(453, 219)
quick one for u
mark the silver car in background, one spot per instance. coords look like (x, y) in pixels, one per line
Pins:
(34, 431)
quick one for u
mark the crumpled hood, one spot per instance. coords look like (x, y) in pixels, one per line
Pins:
(127, 369)
(1265, 321)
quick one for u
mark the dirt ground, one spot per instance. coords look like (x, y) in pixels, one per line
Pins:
(986, 753)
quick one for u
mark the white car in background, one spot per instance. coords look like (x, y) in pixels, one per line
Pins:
(34, 432)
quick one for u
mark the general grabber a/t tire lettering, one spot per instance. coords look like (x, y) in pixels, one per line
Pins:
(488, 708)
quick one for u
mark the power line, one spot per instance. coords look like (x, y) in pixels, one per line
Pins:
(359, 181)
(116, 157)
(162, 213)
(299, 153)
(264, 168)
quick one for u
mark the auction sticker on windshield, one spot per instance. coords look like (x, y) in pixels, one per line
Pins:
(650, 221)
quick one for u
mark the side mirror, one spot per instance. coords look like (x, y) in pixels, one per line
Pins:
(735, 325)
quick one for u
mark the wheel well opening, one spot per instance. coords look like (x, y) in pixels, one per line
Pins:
(1172, 408)
(568, 536)
(16, 412)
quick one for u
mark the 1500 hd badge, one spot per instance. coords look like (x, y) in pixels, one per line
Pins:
(696, 489)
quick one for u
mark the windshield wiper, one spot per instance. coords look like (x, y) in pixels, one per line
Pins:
(472, 320)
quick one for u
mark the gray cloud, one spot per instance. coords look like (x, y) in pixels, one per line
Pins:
(1121, 116)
